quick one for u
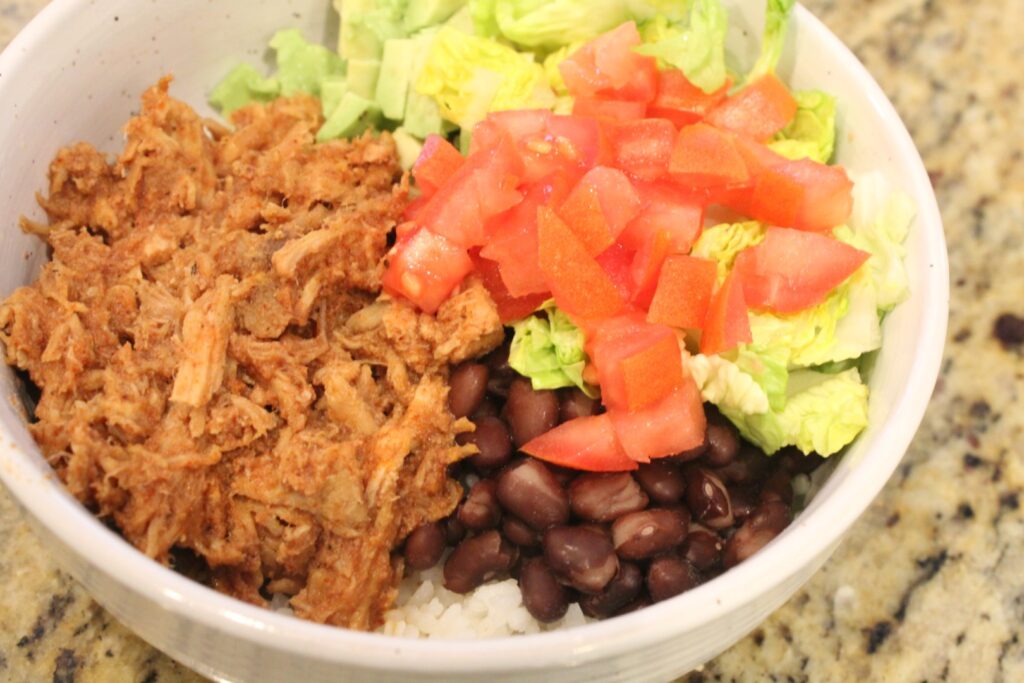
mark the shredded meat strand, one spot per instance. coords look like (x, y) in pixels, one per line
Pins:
(218, 369)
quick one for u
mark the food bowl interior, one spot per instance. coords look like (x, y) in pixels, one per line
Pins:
(76, 74)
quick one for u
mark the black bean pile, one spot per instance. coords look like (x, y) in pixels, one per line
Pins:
(612, 542)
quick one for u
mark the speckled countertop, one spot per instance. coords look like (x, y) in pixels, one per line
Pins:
(929, 586)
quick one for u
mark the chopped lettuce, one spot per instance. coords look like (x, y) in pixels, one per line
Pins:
(823, 413)
(301, 67)
(469, 76)
(697, 48)
(723, 383)
(243, 85)
(879, 224)
(812, 132)
(549, 350)
(776, 21)
(549, 24)
(723, 242)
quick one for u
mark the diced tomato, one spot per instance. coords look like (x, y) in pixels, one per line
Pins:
(704, 156)
(652, 374)
(413, 208)
(759, 110)
(643, 148)
(437, 163)
(599, 207)
(424, 268)
(684, 292)
(577, 141)
(727, 323)
(617, 262)
(614, 339)
(674, 424)
(608, 67)
(800, 194)
(516, 125)
(510, 308)
(680, 101)
(791, 270)
(612, 110)
(584, 443)
(483, 187)
(665, 209)
(647, 265)
(579, 284)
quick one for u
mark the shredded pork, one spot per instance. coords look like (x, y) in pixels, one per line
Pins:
(218, 369)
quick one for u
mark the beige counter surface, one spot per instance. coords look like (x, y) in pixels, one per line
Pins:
(929, 586)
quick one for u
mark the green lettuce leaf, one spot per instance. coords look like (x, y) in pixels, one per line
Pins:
(549, 24)
(879, 224)
(302, 67)
(485, 21)
(812, 132)
(723, 383)
(549, 350)
(723, 242)
(776, 23)
(698, 48)
(469, 76)
(242, 86)
(823, 413)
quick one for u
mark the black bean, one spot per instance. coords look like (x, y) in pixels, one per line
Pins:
(543, 596)
(766, 523)
(519, 532)
(619, 592)
(481, 510)
(530, 491)
(425, 545)
(638, 604)
(487, 408)
(723, 444)
(702, 548)
(492, 439)
(529, 413)
(779, 486)
(663, 481)
(691, 454)
(574, 403)
(454, 530)
(583, 557)
(646, 533)
(668, 576)
(501, 373)
(742, 500)
(750, 466)
(708, 499)
(605, 497)
(477, 560)
(564, 475)
(468, 386)
(795, 462)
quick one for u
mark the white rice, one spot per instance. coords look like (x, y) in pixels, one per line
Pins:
(426, 609)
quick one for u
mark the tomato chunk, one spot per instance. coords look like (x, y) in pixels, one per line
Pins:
(652, 374)
(647, 265)
(617, 262)
(680, 101)
(704, 156)
(684, 292)
(674, 424)
(424, 268)
(643, 148)
(664, 209)
(760, 110)
(791, 270)
(612, 110)
(599, 207)
(727, 324)
(436, 165)
(510, 308)
(608, 67)
(613, 340)
(583, 443)
(579, 284)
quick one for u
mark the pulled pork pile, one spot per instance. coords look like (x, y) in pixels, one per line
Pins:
(217, 369)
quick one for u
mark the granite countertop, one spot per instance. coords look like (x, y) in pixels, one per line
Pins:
(929, 585)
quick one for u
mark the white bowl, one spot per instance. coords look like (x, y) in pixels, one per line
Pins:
(75, 73)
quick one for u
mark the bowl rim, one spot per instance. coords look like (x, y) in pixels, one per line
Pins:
(64, 517)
